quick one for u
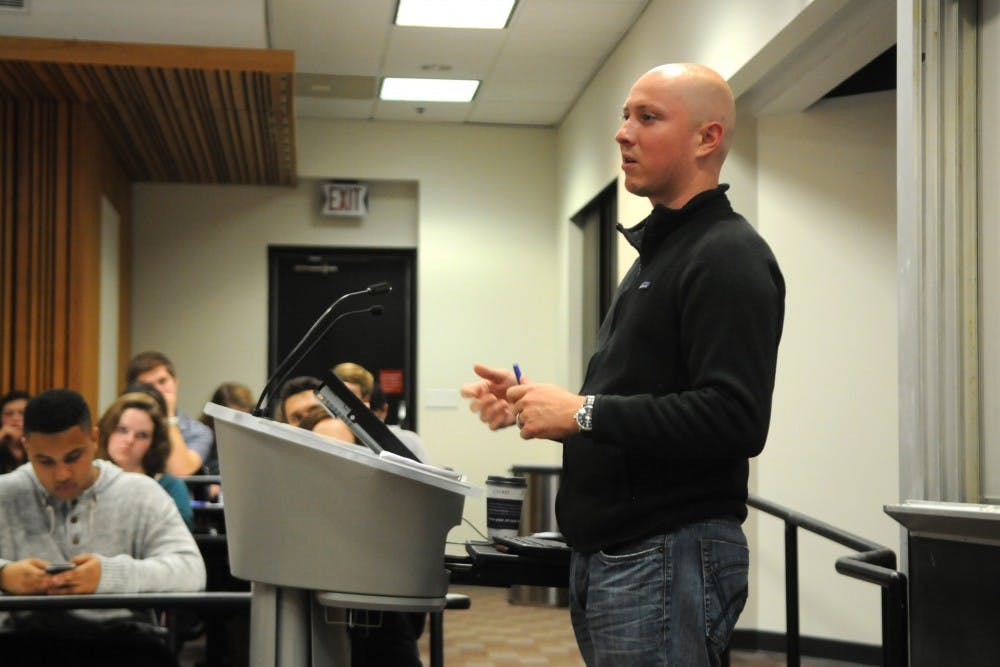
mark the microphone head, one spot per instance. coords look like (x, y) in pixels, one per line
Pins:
(376, 310)
(379, 288)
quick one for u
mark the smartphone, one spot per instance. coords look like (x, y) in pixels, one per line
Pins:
(55, 568)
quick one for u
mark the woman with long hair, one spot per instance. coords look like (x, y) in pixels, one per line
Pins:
(133, 434)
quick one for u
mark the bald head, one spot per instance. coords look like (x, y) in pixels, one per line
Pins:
(706, 95)
(677, 128)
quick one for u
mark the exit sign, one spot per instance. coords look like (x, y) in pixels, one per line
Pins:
(345, 199)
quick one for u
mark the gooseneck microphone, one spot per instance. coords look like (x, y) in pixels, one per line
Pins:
(308, 341)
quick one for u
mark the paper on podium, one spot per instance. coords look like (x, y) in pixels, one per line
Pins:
(426, 467)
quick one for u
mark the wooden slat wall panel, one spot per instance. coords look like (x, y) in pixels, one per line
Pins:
(55, 169)
(35, 223)
(175, 114)
(83, 265)
(8, 141)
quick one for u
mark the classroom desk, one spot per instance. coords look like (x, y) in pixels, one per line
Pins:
(203, 601)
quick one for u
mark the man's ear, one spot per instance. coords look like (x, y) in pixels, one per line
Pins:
(712, 134)
(95, 434)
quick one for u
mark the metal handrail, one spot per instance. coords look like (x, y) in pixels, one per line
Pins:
(873, 563)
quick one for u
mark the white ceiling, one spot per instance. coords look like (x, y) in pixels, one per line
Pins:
(532, 72)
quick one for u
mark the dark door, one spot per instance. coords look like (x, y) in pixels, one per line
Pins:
(600, 269)
(304, 281)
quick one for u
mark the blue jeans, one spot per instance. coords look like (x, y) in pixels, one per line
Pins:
(663, 600)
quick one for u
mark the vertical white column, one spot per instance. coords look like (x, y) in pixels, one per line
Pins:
(937, 234)
(989, 248)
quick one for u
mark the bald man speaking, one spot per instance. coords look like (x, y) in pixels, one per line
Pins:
(676, 399)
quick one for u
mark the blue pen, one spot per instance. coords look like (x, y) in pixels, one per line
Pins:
(517, 373)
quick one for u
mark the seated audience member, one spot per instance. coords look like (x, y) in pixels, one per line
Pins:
(231, 395)
(318, 420)
(190, 440)
(149, 390)
(12, 429)
(359, 380)
(393, 641)
(120, 530)
(295, 398)
(133, 434)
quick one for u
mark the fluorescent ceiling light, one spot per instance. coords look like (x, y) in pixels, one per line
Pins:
(428, 90)
(455, 13)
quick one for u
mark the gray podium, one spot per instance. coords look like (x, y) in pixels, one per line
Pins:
(320, 527)
(953, 572)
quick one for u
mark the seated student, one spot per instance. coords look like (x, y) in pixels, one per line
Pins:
(190, 440)
(360, 380)
(133, 434)
(120, 530)
(11, 429)
(295, 398)
(231, 395)
(318, 420)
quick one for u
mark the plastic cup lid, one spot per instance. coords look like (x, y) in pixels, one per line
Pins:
(507, 481)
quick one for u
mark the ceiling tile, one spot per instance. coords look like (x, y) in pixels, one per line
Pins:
(333, 36)
(469, 53)
(528, 91)
(554, 68)
(518, 112)
(583, 17)
(442, 112)
(324, 107)
(231, 23)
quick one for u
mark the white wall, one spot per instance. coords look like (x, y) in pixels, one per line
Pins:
(200, 285)
(827, 207)
(482, 220)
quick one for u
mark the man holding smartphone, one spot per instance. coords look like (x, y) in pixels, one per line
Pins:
(70, 524)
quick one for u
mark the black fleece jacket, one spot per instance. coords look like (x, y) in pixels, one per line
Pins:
(683, 375)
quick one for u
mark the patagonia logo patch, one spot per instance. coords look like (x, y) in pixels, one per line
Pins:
(645, 284)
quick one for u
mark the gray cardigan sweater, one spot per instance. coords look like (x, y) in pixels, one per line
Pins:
(125, 519)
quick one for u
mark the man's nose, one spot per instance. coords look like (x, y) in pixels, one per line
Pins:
(624, 134)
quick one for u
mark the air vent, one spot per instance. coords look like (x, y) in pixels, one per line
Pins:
(12, 6)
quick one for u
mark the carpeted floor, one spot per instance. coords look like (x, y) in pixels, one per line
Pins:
(495, 633)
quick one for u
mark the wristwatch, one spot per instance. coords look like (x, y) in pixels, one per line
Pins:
(585, 415)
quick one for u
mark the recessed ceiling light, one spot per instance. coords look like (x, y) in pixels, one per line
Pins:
(491, 14)
(428, 90)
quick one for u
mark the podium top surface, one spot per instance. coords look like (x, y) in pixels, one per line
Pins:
(425, 474)
(948, 520)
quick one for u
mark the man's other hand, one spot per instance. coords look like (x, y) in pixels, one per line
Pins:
(81, 580)
(25, 577)
(488, 397)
